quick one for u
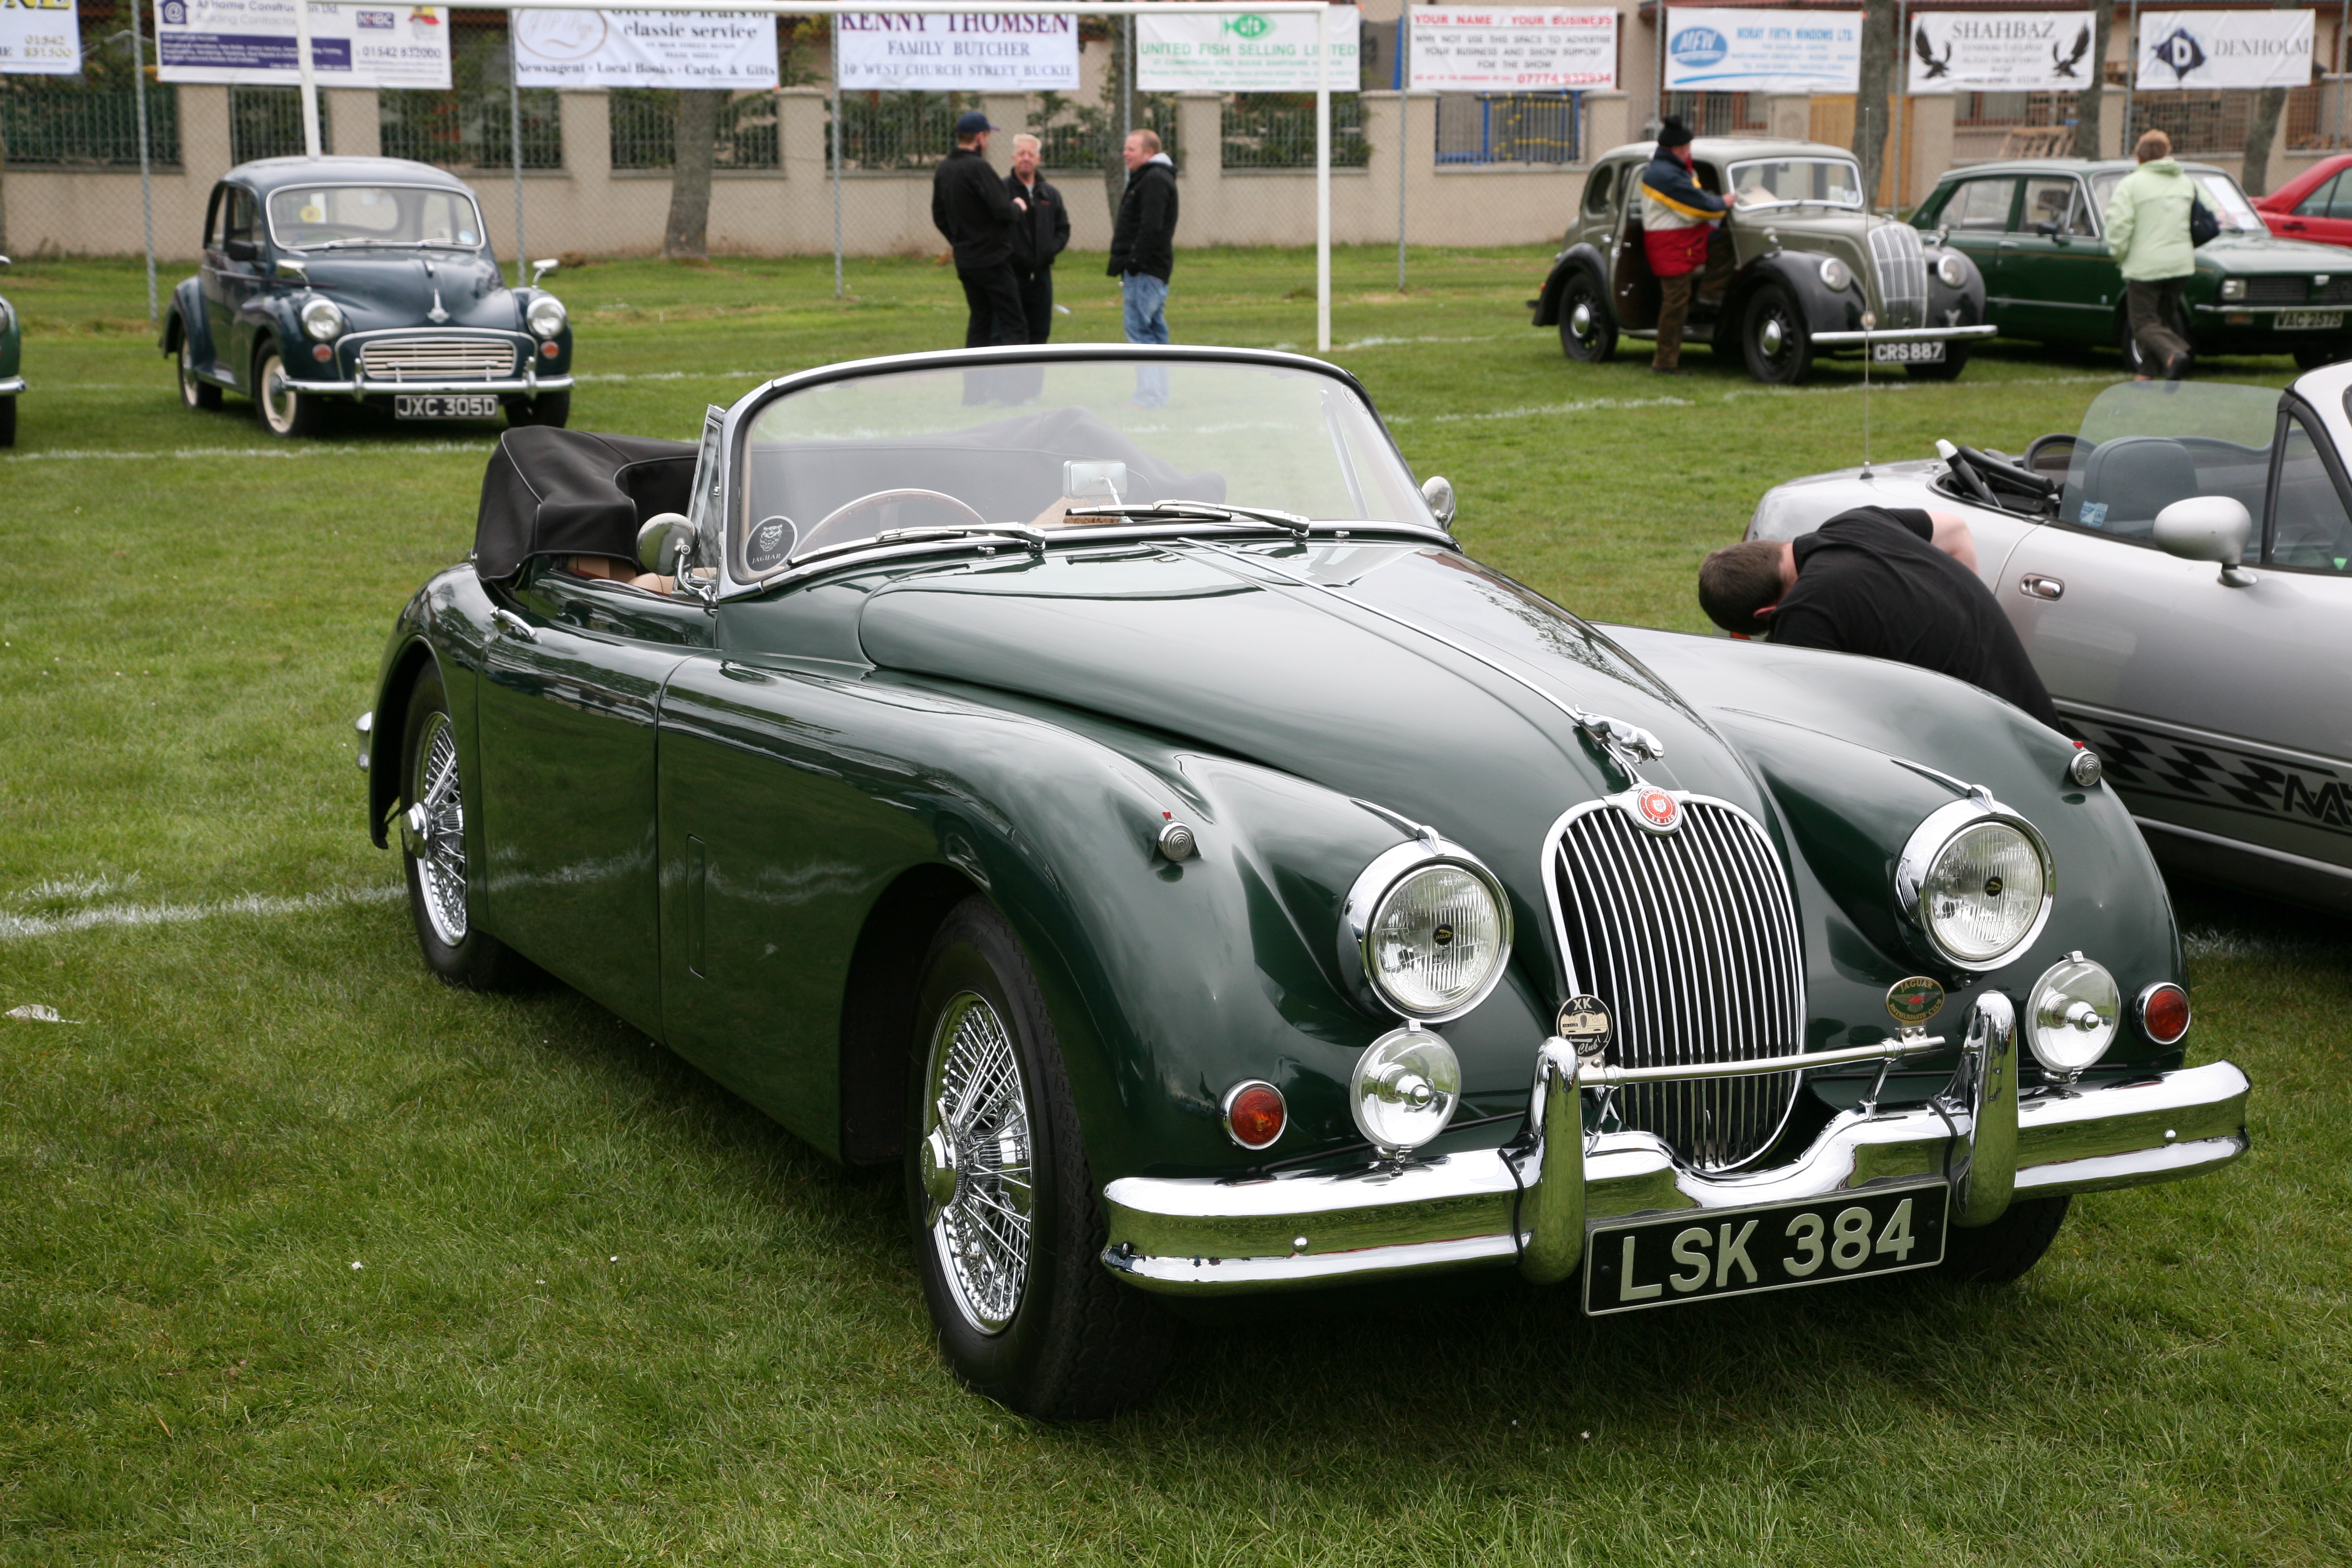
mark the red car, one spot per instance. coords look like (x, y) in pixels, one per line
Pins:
(2317, 204)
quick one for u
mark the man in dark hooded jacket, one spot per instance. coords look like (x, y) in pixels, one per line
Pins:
(976, 214)
(1678, 231)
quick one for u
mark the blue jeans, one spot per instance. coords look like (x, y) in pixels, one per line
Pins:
(1143, 299)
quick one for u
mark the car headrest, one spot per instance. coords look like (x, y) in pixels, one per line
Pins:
(2126, 481)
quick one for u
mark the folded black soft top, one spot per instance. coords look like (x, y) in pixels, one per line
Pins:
(570, 493)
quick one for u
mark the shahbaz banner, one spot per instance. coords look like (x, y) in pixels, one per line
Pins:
(1713, 50)
(1462, 48)
(1246, 53)
(2193, 50)
(2002, 51)
(39, 37)
(962, 51)
(250, 43)
(708, 50)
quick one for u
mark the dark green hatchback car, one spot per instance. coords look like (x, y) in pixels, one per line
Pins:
(2035, 229)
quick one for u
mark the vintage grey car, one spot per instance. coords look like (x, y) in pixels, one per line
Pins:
(1816, 271)
(2180, 569)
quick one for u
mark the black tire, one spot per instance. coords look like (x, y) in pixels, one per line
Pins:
(2312, 356)
(1595, 340)
(1956, 360)
(552, 409)
(195, 394)
(1033, 1322)
(7, 421)
(1998, 1253)
(282, 410)
(1774, 338)
(457, 950)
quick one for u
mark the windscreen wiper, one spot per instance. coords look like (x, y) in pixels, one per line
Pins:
(1214, 510)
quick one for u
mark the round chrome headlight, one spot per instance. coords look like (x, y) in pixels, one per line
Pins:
(1404, 1089)
(1836, 274)
(1952, 270)
(2071, 1016)
(1977, 880)
(546, 316)
(324, 319)
(1430, 929)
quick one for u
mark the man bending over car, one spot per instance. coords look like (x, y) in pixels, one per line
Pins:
(1885, 581)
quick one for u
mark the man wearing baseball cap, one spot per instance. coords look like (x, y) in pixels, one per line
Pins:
(971, 207)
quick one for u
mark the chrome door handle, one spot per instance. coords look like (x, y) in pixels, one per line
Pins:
(2009, 245)
(513, 624)
(2034, 585)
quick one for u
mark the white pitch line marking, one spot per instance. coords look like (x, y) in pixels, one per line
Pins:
(182, 454)
(21, 928)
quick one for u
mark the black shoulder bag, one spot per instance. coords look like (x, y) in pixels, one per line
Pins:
(2202, 224)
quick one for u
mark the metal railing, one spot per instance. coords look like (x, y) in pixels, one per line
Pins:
(471, 125)
(1995, 111)
(644, 129)
(884, 131)
(266, 122)
(1510, 127)
(2199, 123)
(62, 122)
(1717, 113)
(1276, 131)
(1075, 134)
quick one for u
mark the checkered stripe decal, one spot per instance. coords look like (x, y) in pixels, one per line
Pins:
(2153, 764)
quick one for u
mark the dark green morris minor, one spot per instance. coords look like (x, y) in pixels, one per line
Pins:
(1094, 780)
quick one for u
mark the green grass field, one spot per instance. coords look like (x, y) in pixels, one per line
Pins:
(306, 1259)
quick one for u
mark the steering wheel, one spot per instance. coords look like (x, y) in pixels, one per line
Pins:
(839, 519)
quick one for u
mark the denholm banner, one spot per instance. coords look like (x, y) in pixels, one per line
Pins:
(963, 51)
(250, 43)
(1712, 50)
(1246, 53)
(2002, 51)
(1462, 48)
(708, 50)
(39, 37)
(2191, 49)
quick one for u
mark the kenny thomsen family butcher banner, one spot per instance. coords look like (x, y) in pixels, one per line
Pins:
(2002, 51)
(39, 37)
(250, 43)
(709, 49)
(1246, 53)
(1461, 48)
(2194, 50)
(1714, 50)
(963, 51)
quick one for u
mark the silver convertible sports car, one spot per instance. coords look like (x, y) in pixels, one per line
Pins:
(2180, 569)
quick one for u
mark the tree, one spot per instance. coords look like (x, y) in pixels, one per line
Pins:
(2255, 174)
(689, 230)
(1878, 54)
(2094, 95)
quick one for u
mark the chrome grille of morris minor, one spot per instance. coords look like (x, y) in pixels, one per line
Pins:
(1902, 268)
(1689, 938)
(449, 358)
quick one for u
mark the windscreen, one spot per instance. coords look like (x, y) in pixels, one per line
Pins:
(2215, 189)
(1772, 181)
(334, 217)
(2143, 444)
(859, 460)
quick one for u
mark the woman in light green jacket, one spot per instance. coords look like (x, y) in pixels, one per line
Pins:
(2147, 233)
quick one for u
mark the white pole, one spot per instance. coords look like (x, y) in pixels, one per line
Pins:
(146, 171)
(309, 78)
(514, 133)
(1323, 180)
(837, 181)
(1404, 121)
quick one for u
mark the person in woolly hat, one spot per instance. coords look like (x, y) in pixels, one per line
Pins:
(1679, 227)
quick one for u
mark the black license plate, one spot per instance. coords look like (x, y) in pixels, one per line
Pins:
(1702, 1253)
(445, 405)
(1907, 354)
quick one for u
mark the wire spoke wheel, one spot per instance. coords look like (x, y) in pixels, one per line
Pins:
(976, 1161)
(433, 830)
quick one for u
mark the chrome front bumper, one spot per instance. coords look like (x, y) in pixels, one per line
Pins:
(11, 385)
(1903, 335)
(360, 386)
(1530, 1202)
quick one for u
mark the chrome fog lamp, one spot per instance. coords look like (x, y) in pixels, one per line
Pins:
(1975, 879)
(546, 316)
(2071, 1016)
(1430, 927)
(1836, 274)
(1404, 1089)
(324, 319)
(1951, 269)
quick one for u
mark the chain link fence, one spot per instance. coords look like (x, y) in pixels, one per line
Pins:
(91, 120)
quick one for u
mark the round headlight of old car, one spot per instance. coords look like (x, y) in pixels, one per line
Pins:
(1404, 1089)
(2070, 1019)
(1952, 270)
(1431, 928)
(546, 316)
(323, 321)
(1836, 274)
(1977, 880)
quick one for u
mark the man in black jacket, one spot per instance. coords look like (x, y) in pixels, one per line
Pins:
(971, 207)
(1043, 234)
(1143, 253)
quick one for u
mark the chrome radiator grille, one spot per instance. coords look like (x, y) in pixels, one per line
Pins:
(1902, 268)
(1689, 938)
(437, 359)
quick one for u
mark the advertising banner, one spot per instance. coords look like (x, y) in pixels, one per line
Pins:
(2193, 50)
(1462, 48)
(1248, 53)
(977, 51)
(1715, 50)
(250, 43)
(2002, 51)
(644, 49)
(39, 37)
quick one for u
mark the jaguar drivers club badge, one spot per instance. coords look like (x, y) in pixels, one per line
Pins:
(1911, 1003)
(1656, 810)
(1584, 1024)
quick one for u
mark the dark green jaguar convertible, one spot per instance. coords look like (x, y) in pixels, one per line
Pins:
(1094, 780)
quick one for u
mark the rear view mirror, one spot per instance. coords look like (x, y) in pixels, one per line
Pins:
(665, 543)
(2208, 527)
(1438, 491)
(1095, 481)
(540, 269)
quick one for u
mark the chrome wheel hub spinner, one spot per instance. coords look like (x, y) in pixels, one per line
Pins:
(432, 831)
(1580, 321)
(974, 1163)
(1772, 338)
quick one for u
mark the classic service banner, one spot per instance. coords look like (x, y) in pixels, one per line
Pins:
(2223, 48)
(1461, 48)
(2002, 51)
(1245, 54)
(1762, 51)
(644, 49)
(987, 51)
(250, 43)
(39, 37)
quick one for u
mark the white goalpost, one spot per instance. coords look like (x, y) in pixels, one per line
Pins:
(1317, 8)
